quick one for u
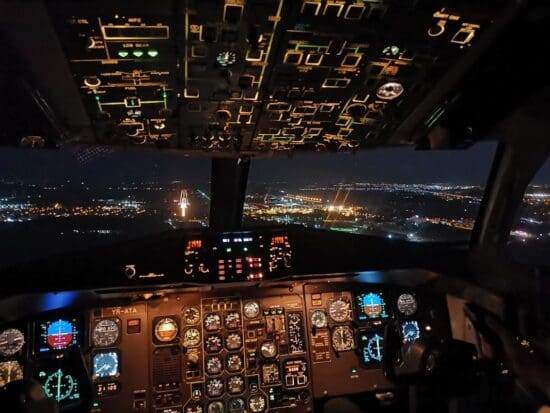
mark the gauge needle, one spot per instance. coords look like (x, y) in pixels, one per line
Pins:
(58, 384)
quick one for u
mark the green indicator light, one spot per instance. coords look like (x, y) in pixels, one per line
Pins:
(137, 53)
(228, 250)
(97, 97)
(164, 95)
(122, 53)
(245, 249)
(152, 53)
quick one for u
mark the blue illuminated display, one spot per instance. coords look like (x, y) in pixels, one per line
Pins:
(58, 334)
(410, 331)
(372, 347)
(370, 306)
(106, 364)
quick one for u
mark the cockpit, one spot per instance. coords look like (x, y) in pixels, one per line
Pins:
(274, 206)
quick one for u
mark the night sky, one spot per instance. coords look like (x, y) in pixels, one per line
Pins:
(392, 165)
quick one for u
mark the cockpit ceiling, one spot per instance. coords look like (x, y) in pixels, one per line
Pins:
(263, 75)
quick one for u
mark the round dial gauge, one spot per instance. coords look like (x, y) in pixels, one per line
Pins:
(212, 322)
(192, 315)
(319, 319)
(375, 347)
(191, 337)
(257, 403)
(390, 90)
(406, 304)
(214, 387)
(214, 365)
(251, 309)
(11, 342)
(59, 385)
(213, 343)
(410, 331)
(233, 341)
(215, 407)
(268, 349)
(237, 405)
(226, 58)
(340, 310)
(166, 330)
(232, 320)
(105, 333)
(233, 363)
(235, 384)
(342, 338)
(105, 364)
(10, 371)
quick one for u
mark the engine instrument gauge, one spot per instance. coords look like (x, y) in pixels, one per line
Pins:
(342, 339)
(215, 407)
(233, 341)
(251, 309)
(407, 305)
(213, 343)
(410, 331)
(257, 403)
(191, 315)
(268, 349)
(214, 387)
(237, 405)
(60, 385)
(106, 332)
(10, 371)
(214, 365)
(212, 322)
(234, 363)
(319, 319)
(166, 330)
(371, 306)
(340, 310)
(270, 374)
(105, 364)
(235, 384)
(191, 337)
(11, 342)
(232, 320)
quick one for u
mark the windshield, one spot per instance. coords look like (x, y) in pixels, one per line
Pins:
(529, 240)
(53, 201)
(395, 193)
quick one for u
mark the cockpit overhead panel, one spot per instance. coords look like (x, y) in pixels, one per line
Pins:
(261, 75)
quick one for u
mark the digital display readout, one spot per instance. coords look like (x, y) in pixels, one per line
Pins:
(55, 335)
(371, 344)
(370, 306)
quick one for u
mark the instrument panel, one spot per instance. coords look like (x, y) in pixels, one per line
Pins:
(227, 349)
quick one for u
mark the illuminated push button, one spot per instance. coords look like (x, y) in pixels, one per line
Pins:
(133, 326)
(289, 381)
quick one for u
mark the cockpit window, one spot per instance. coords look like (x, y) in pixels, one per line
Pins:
(53, 201)
(529, 240)
(395, 193)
